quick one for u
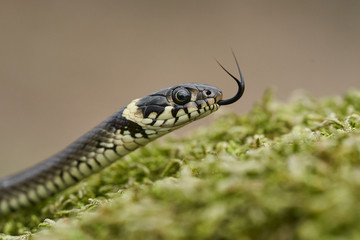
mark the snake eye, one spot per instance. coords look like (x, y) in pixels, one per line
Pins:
(181, 96)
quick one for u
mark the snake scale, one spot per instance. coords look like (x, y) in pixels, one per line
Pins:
(133, 126)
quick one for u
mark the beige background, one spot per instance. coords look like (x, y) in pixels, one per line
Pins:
(66, 65)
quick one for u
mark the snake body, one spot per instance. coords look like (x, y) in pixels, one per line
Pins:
(140, 122)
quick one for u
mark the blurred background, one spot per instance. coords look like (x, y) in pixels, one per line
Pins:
(67, 65)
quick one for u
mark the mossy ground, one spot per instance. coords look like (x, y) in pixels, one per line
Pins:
(282, 171)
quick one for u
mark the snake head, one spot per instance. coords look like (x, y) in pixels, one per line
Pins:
(176, 106)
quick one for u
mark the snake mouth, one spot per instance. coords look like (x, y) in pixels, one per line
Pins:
(175, 117)
(196, 110)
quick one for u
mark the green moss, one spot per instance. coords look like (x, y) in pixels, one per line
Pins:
(282, 171)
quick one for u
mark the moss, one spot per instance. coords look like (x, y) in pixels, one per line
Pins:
(282, 171)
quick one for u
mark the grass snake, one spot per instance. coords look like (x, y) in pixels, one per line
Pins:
(133, 126)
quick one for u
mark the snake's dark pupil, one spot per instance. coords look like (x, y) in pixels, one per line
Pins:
(181, 95)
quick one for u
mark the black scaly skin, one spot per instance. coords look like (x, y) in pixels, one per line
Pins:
(61, 162)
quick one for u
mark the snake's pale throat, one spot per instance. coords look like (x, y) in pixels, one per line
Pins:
(133, 126)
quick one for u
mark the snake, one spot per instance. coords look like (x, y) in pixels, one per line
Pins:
(138, 123)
